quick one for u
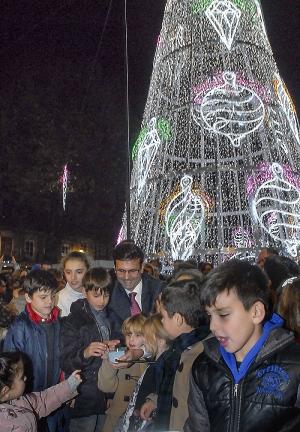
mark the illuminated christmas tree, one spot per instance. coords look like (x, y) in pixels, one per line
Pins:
(216, 164)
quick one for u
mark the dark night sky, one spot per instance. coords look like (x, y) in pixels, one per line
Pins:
(52, 49)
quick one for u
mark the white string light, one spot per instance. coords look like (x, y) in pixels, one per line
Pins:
(224, 17)
(184, 220)
(216, 86)
(65, 180)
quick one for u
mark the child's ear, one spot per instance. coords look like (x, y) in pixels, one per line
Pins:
(4, 393)
(179, 319)
(28, 298)
(259, 312)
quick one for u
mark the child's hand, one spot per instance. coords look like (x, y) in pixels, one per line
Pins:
(111, 344)
(74, 380)
(76, 374)
(147, 409)
(95, 349)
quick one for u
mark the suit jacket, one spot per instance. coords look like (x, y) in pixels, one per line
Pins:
(119, 304)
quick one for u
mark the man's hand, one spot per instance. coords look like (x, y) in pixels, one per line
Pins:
(147, 409)
(95, 349)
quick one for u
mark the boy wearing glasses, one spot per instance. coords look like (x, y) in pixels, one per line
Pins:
(134, 292)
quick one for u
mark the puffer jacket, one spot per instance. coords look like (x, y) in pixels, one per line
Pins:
(267, 399)
(29, 337)
(78, 330)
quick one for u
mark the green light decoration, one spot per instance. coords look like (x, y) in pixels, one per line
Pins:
(164, 132)
(200, 5)
(164, 129)
(246, 6)
(140, 139)
(217, 108)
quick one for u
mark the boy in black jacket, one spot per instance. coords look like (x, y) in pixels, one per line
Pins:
(247, 379)
(85, 337)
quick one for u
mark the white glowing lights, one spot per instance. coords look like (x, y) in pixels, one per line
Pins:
(242, 238)
(146, 155)
(224, 17)
(231, 109)
(64, 181)
(287, 105)
(214, 115)
(184, 220)
(275, 208)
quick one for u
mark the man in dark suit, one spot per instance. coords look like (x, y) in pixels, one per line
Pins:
(133, 291)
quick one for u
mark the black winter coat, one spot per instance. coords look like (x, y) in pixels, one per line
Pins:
(266, 400)
(119, 303)
(78, 330)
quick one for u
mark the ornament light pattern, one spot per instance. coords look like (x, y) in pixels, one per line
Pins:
(225, 118)
(242, 238)
(231, 109)
(224, 17)
(184, 220)
(146, 154)
(287, 105)
(275, 207)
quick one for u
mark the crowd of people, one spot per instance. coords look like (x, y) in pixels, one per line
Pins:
(129, 349)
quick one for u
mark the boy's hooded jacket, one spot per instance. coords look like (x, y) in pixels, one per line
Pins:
(266, 399)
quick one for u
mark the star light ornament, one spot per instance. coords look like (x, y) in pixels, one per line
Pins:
(224, 17)
(275, 207)
(231, 109)
(184, 220)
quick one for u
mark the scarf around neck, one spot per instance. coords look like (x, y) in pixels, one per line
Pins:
(170, 362)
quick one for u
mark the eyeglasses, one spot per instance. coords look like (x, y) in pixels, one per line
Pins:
(131, 272)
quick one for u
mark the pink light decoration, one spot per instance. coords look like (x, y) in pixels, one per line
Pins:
(159, 41)
(217, 80)
(121, 235)
(264, 172)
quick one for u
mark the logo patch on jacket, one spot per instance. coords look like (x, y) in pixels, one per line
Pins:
(272, 380)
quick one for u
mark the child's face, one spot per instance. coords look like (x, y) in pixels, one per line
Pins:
(42, 302)
(97, 299)
(236, 329)
(18, 386)
(74, 271)
(170, 324)
(134, 340)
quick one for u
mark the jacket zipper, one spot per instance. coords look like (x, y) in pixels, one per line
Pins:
(235, 423)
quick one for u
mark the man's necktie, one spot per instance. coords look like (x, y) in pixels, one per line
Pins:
(134, 306)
